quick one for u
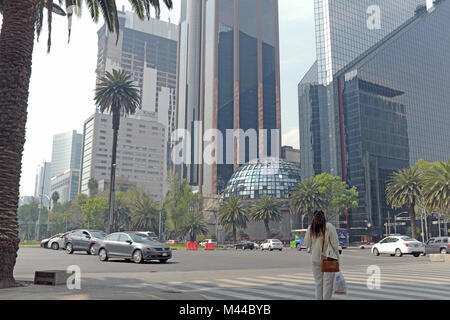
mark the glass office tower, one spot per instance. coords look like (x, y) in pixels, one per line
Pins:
(228, 79)
(394, 104)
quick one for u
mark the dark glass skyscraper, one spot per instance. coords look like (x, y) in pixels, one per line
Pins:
(228, 79)
(378, 103)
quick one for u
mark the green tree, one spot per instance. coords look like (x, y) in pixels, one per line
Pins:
(144, 213)
(307, 198)
(404, 188)
(55, 198)
(21, 19)
(116, 93)
(94, 212)
(436, 190)
(93, 187)
(233, 215)
(266, 209)
(194, 225)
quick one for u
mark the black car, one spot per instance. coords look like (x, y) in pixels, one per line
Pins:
(438, 245)
(244, 245)
(83, 240)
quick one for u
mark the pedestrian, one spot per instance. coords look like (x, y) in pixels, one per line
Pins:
(322, 241)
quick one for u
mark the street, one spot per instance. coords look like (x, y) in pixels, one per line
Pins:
(231, 274)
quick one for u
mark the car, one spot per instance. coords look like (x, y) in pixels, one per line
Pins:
(244, 245)
(44, 243)
(57, 241)
(171, 242)
(367, 245)
(133, 246)
(438, 245)
(398, 246)
(150, 234)
(256, 245)
(83, 240)
(271, 244)
(204, 242)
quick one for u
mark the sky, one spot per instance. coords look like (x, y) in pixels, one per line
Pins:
(63, 81)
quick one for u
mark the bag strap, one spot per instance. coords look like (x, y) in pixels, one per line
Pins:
(323, 242)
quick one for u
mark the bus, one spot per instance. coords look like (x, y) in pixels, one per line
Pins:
(299, 236)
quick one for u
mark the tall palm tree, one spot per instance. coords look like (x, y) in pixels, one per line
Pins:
(116, 93)
(145, 215)
(233, 215)
(404, 188)
(55, 198)
(194, 225)
(307, 198)
(266, 210)
(21, 19)
(437, 187)
(93, 187)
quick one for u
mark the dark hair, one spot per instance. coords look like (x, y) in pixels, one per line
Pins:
(319, 224)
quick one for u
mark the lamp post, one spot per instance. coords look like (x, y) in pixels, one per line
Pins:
(48, 215)
(395, 220)
(369, 225)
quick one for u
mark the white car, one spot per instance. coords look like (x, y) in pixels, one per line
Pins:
(257, 246)
(271, 244)
(204, 242)
(56, 242)
(398, 246)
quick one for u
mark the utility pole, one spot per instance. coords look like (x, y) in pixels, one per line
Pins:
(40, 206)
(389, 223)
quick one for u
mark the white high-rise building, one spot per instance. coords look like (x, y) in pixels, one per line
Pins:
(42, 183)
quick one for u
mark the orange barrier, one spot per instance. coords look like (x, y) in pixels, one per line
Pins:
(209, 246)
(192, 246)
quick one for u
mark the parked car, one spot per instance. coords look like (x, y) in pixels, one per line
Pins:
(438, 245)
(271, 244)
(132, 246)
(171, 242)
(44, 243)
(204, 242)
(57, 241)
(256, 245)
(398, 246)
(244, 245)
(367, 245)
(83, 240)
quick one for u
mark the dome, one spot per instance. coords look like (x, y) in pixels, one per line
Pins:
(270, 176)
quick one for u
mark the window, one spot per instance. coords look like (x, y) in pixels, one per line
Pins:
(113, 237)
(124, 238)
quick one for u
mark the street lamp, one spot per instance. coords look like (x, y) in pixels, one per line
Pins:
(369, 225)
(395, 220)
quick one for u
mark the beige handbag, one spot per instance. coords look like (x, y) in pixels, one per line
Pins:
(328, 264)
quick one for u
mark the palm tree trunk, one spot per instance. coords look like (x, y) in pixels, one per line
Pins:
(16, 50)
(112, 186)
(234, 233)
(412, 215)
(266, 224)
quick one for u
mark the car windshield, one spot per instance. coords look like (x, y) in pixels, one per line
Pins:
(98, 234)
(408, 239)
(141, 238)
(276, 241)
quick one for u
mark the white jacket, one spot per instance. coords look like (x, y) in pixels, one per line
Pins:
(331, 243)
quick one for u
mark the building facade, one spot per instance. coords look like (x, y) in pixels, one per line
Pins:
(229, 79)
(42, 183)
(66, 152)
(290, 154)
(66, 184)
(378, 105)
(141, 153)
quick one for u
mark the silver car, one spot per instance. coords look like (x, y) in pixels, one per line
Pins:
(134, 246)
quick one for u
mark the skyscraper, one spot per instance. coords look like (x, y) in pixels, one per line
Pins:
(66, 152)
(42, 184)
(229, 79)
(380, 112)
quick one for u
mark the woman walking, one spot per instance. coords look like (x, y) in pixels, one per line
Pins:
(322, 239)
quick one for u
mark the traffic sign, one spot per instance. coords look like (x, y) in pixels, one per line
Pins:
(391, 224)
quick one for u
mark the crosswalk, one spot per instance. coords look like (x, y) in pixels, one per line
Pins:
(401, 282)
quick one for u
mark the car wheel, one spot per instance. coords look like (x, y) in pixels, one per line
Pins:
(398, 252)
(103, 255)
(271, 249)
(55, 246)
(416, 255)
(281, 249)
(443, 251)
(92, 250)
(376, 252)
(69, 248)
(137, 256)
(163, 260)
(392, 255)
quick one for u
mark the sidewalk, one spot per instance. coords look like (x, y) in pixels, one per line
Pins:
(91, 292)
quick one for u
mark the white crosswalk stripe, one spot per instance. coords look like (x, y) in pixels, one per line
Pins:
(400, 282)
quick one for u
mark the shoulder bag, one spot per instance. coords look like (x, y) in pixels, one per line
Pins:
(328, 264)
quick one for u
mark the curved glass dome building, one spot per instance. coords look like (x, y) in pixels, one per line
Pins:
(270, 176)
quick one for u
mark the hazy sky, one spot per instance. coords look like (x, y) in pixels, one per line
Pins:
(63, 82)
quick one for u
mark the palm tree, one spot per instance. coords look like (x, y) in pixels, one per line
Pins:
(145, 215)
(437, 187)
(93, 187)
(117, 94)
(55, 198)
(21, 19)
(233, 215)
(307, 198)
(266, 209)
(194, 225)
(404, 188)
